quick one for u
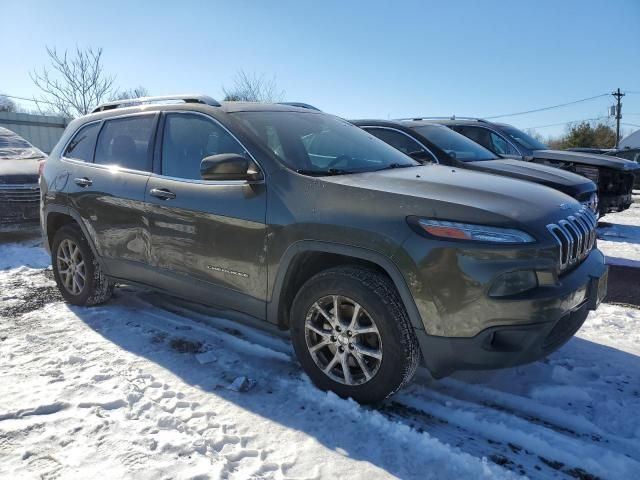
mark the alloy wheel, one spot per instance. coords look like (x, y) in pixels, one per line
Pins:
(71, 267)
(343, 340)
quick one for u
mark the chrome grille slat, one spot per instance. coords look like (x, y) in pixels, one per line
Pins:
(582, 237)
(575, 235)
(586, 232)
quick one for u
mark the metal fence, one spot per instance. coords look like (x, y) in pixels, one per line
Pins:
(40, 130)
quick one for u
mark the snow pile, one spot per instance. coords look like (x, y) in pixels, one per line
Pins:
(619, 236)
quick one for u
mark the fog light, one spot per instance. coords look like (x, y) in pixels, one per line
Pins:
(513, 283)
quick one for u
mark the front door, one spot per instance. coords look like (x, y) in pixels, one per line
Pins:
(108, 191)
(207, 238)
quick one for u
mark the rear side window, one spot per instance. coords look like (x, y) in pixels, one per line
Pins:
(83, 144)
(126, 142)
(188, 138)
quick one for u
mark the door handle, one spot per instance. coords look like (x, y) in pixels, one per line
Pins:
(83, 182)
(162, 193)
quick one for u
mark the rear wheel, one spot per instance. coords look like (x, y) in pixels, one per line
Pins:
(352, 334)
(77, 272)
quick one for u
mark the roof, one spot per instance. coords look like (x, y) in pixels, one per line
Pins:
(201, 100)
(455, 121)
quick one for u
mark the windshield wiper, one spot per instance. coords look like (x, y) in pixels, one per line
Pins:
(397, 165)
(327, 172)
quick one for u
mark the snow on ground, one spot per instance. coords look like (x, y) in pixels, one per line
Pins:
(139, 388)
(619, 236)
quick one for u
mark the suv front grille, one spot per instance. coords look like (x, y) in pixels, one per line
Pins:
(19, 193)
(576, 236)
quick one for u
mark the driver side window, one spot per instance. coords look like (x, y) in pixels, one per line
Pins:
(187, 139)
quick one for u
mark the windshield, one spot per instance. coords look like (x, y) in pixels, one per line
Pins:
(454, 144)
(322, 144)
(523, 139)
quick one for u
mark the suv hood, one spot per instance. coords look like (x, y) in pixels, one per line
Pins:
(587, 159)
(567, 182)
(455, 194)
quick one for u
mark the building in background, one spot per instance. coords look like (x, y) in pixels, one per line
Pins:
(631, 141)
(42, 131)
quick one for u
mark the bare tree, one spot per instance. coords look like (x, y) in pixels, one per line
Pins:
(74, 84)
(7, 105)
(250, 87)
(137, 92)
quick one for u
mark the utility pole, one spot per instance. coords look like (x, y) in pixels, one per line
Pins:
(618, 94)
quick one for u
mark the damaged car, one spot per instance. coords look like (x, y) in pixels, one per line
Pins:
(614, 176)
(19, 191)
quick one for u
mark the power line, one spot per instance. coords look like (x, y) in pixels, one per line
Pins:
(27, 99)
(570, 121)
(630, 124)
(548, 108)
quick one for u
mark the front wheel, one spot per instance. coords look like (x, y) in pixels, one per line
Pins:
(352, 334)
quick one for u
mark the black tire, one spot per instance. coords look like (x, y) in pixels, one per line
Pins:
(377, 296)
(97, 288)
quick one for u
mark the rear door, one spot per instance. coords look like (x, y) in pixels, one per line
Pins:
(107, 190)
(207, 237)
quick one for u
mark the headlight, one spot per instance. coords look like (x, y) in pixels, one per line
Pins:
(592, 203)
(468, 231)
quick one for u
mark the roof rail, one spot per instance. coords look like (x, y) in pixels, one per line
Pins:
(300, 105)
(452, 117)
(128, 102)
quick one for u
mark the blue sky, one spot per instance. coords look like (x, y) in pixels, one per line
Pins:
(354, 59)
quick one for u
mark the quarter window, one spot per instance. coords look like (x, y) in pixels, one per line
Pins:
(83, 144)
(188, 138)
(126, 142)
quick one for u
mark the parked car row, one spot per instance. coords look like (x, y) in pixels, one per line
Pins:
(614, 177)
(431, 142)
(374, 260)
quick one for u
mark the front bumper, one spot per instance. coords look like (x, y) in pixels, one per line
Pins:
(15, 215)
(19, 205)
(563, 309)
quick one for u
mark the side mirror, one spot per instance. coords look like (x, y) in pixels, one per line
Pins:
(228, 166)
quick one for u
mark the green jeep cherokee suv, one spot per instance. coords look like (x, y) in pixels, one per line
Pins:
(372, 261)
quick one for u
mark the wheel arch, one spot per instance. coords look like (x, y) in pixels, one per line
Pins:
(57, 217)
(306, 258)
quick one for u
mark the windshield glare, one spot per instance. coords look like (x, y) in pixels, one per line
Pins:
(523, 139)
(454, 144)
(316, 142)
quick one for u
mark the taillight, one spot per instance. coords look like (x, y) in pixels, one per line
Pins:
(41, 167)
